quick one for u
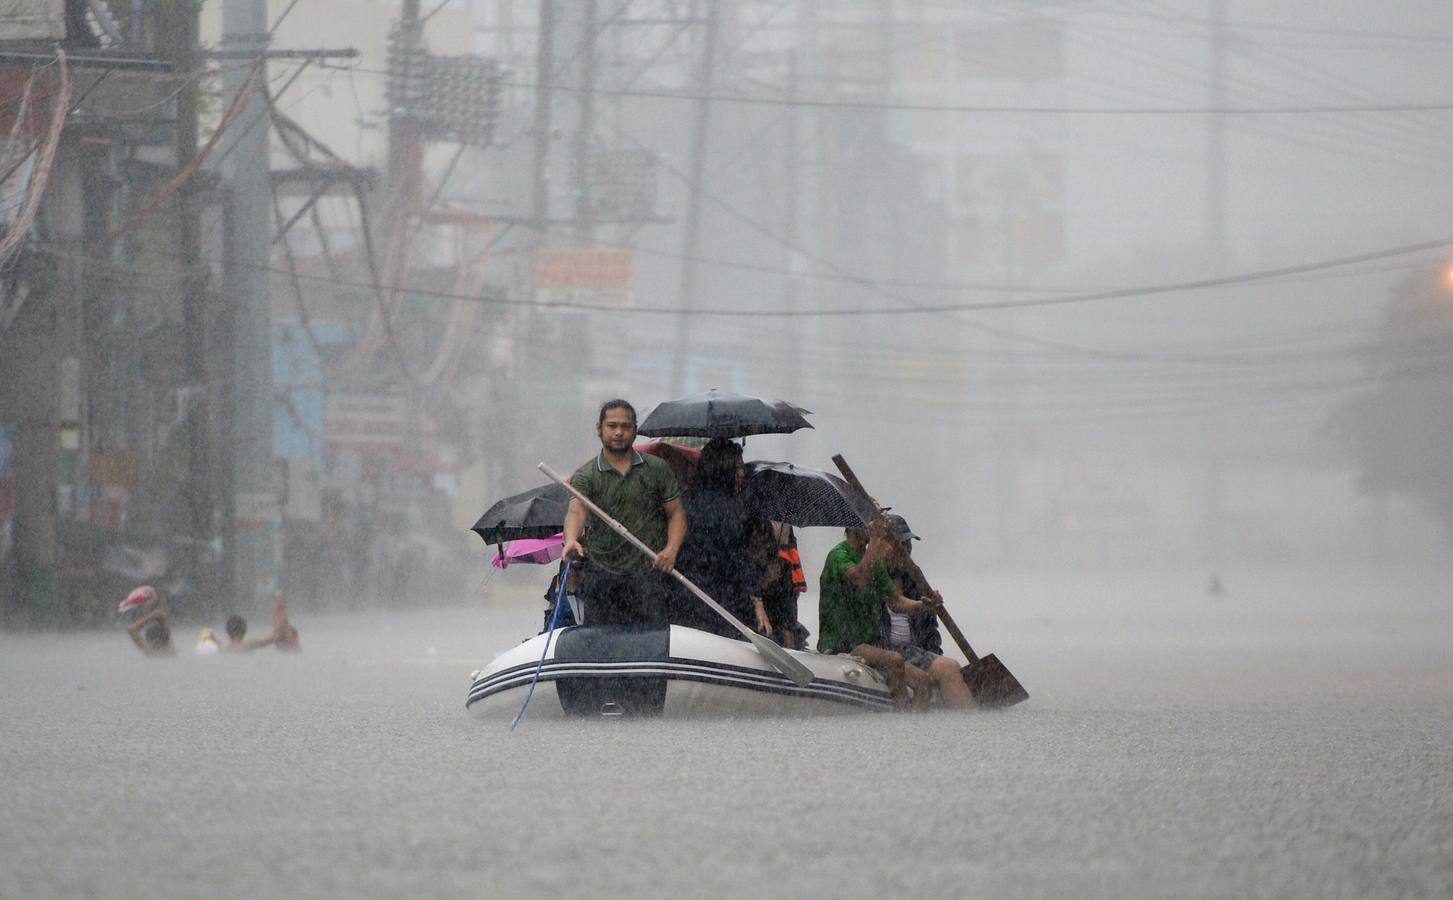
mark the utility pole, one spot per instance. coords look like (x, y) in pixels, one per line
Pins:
(584, 205)
(404, 165)
(1216, 137)
(544, 99)
(254, 518)
(1213, 513)
(198, 489)
(700, 134)
(790, 216)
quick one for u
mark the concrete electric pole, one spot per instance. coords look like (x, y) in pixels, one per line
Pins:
(255, 518)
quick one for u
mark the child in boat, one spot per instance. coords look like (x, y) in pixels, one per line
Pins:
(572, 599)
(779, 580)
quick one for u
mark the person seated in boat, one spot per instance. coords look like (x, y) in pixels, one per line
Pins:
(714, 555)
(914, 634)
(237, 640)
(152, 635)
(622, 585)
(856, 588)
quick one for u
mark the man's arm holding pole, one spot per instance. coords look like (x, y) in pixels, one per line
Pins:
(574, 528)
(665, 560)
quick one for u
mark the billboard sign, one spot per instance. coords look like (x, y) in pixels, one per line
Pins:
(584, 276)
(365, 423)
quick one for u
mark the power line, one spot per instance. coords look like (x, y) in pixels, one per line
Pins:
(985, 109)
(771, 312)
(1297, 29)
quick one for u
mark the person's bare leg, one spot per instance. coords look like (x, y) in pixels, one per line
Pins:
(922, 684)
(956, 695)
(891, 663)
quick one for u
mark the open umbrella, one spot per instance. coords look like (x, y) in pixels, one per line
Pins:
(530, 550)
(720, 414)
(798, 495)
(536, 513)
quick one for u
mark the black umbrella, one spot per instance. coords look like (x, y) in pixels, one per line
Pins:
(797, 495)
(719, 414)
(536, 513)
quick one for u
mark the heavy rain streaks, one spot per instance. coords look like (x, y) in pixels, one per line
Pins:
(1141, 314)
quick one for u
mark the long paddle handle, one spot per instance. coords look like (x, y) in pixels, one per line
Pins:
(780, 659)
(948, 623)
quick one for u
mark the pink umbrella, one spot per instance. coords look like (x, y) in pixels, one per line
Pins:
(531, 550)
(139, 597)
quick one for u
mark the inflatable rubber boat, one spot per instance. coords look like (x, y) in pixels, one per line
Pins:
(665, 670)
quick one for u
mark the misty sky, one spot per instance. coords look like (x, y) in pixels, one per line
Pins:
(1008, 152)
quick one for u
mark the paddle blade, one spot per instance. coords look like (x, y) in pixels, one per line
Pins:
(781, 660)
(992, 684)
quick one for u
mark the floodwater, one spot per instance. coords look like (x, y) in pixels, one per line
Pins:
(1291, 738)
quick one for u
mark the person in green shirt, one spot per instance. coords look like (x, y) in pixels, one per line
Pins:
(856, 594)
(622, 586)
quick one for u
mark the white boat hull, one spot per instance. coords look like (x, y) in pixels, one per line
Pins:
(665, 671)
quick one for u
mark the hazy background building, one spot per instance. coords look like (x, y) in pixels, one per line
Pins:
(1071, 285)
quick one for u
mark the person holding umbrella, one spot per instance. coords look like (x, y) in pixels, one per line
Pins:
(714, 554)
(621, 586)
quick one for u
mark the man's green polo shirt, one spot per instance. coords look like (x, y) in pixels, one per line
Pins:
(846, 614)
(636, 500)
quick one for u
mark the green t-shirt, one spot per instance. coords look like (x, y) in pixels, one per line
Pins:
(636, 500)
(847, 614)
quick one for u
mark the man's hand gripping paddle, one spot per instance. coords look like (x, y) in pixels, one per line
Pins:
(991, 683)
(780, 659)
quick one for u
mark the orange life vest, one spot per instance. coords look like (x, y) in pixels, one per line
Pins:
(794, 559)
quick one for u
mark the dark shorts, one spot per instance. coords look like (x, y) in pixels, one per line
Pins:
(914, 656)
(636, 599)
(917, 656)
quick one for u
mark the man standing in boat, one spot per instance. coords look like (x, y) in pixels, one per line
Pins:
(622, 586)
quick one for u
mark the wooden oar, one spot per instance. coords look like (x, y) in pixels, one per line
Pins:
(780, 659)
(989, 679)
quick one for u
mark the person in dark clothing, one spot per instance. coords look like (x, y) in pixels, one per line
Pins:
(572, 598)
(923, 624)
(714, 554)
(775, 582)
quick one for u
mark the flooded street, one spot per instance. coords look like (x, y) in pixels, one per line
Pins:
(1292, 738)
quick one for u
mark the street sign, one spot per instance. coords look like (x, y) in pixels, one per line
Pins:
(365, 422)
(584, 276)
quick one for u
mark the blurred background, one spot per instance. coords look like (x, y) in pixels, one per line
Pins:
(292, 290)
